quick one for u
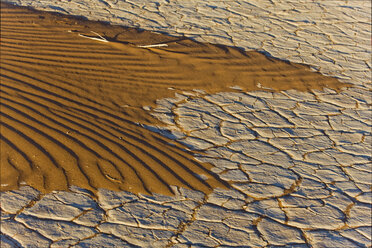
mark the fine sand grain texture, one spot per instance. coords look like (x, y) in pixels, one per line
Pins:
(71, 107)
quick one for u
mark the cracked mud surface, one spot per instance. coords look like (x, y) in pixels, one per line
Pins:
(299, 162)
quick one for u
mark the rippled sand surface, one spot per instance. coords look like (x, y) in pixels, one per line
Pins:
(71, 107)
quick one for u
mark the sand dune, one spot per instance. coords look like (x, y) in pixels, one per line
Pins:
(70, 106)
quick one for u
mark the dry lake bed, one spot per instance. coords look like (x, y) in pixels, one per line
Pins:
(243, 124)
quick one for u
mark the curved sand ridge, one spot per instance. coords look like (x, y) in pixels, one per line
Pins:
(70, 106)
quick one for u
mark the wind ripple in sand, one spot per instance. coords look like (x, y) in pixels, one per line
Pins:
(57, 129)
(70, 106)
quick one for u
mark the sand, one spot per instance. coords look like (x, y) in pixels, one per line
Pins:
(71, 107)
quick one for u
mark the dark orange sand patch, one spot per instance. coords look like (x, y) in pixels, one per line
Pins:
(70, 105)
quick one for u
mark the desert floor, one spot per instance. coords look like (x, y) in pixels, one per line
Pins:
(199, 124)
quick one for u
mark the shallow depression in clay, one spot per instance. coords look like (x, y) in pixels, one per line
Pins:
(70, 106)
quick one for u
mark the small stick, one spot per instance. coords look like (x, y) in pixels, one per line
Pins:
(102, 39)
(98, 35)
(155, 45)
